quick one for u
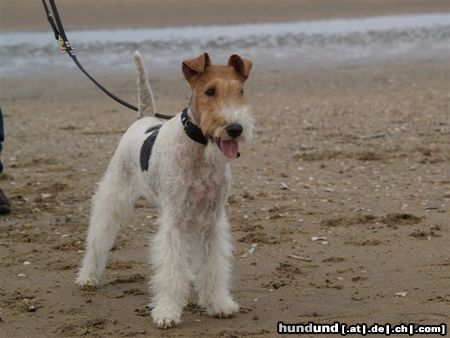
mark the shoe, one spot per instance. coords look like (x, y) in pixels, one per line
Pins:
(5, 206)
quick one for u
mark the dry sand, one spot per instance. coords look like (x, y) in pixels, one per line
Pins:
(357, 154)
(84, 14)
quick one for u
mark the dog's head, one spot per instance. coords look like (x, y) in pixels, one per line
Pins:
(218, 103)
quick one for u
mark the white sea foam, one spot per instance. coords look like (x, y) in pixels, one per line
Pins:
(301, 43)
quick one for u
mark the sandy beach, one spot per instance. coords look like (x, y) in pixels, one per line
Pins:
(84, 14)
(345, 191)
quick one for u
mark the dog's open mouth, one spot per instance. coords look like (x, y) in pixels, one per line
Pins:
(230, 148)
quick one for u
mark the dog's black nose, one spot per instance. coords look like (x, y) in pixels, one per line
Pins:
(234, 130)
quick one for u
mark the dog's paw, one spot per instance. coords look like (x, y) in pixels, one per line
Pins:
(86, 282)
(223, 309)
(165, 318)
(165, 324)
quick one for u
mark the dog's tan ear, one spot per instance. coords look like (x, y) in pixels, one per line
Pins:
(241, 66)
(193, 67)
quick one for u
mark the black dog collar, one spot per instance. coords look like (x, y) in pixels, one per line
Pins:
(191, 129)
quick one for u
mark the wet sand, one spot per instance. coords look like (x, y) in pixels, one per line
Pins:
(355, 154)
(27, 15)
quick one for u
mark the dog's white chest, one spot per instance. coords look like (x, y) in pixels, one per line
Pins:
(206, 185)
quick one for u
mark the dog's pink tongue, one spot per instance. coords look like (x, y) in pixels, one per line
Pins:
(230, 148)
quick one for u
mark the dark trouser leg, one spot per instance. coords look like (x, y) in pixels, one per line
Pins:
(5, 206)
(2, 138)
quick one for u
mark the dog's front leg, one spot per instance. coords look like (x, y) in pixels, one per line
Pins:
(169, 258)
(213, 279)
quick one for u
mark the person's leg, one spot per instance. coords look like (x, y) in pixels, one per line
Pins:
(5, 207)
(2, 138)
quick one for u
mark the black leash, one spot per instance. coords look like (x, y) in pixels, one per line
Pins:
(60, 36)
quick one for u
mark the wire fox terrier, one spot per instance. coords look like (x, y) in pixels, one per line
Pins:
(182, 166)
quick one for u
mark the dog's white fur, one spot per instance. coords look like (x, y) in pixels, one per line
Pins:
(189, 185)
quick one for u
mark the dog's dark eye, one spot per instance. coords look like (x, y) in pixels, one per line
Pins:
(210, 92)
(241, 92)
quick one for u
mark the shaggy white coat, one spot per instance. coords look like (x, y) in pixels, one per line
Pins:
(188, 183)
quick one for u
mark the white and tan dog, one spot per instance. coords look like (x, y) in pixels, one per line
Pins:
(183, 167)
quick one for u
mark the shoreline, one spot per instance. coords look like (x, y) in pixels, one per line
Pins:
(288, 44)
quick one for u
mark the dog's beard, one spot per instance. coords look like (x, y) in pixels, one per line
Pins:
(220, 151)
(243, 116)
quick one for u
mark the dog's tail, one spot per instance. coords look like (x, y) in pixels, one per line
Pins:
(146, 103)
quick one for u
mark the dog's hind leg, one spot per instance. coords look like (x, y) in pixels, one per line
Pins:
(112, 206)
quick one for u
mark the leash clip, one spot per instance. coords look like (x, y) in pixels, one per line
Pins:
(64, 45)
(61, 44)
